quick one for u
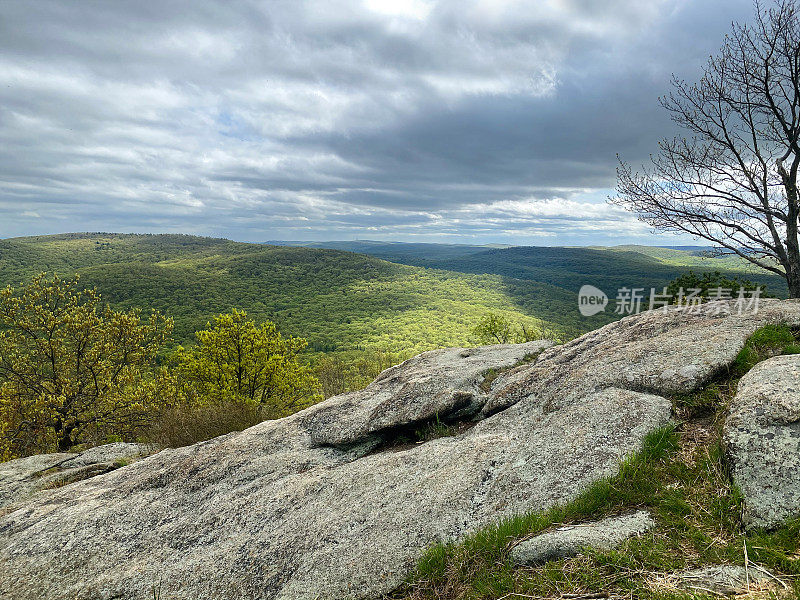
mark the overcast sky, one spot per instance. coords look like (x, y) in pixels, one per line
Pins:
(409, 120)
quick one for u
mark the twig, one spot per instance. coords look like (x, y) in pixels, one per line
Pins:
(746, 564)
(770, 575)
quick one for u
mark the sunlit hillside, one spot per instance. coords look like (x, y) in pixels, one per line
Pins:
(338, 300)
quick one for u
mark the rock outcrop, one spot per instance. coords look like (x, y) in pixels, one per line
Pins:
(762, 436)
(570, 540)
(323, 505)
(662, 352)
(440, 383)
(24, 477)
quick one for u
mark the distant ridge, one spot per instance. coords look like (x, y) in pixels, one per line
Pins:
(569, 267)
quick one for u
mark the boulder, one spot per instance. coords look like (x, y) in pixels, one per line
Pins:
(439, 384)
(23, 477)
(570, 540)
(325, 504)
(670, 351)
(762, 438)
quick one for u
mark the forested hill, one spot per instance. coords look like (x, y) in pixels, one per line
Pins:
(609, 268)
(338, 300)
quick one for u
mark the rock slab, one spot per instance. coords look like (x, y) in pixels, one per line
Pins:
(762, 438)
(23, 477)
(311, 507)
(669, 351)
(439, 384)
(568, 541)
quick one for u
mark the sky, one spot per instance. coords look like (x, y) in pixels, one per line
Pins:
(465, 121)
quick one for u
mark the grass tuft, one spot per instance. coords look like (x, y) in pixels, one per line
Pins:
(768, 341)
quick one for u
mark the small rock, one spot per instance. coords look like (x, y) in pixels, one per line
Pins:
(720, 579)
(569, 541)
(762, 437)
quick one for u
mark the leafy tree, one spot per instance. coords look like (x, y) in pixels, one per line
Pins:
(69, 365)
(494, 329)
(705, 282)
(733, 179)
(237, 361)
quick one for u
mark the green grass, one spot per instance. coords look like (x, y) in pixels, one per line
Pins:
(768, 341)
(680, 475)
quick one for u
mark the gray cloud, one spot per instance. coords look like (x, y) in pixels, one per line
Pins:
(491, 120)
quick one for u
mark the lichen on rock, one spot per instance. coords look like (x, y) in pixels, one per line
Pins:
(762, 436)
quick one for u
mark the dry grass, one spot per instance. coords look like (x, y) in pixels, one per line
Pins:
(185, 426)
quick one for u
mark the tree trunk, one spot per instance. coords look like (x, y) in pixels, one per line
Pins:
(65, 443)
(793, 280)
(64, 435)
(792, 265)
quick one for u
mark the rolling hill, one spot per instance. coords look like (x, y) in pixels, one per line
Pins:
(337, 300)
(390, 296)
(608, 268)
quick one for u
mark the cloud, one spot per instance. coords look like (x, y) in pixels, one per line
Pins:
(480, 120)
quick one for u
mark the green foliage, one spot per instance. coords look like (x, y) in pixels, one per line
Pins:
(75, 372)
(70, 367)
(569, 268)
(236, 361)
(494, 329)
(497, 329)
(338, 301)
(345, 302)
(710, 281)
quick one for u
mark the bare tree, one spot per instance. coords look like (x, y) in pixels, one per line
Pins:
(733, 180)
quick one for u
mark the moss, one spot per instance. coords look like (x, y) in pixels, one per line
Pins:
(490, 375)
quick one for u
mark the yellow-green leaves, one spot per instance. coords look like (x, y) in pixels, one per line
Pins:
(75, 371)
(70, 366)
(236, 360)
